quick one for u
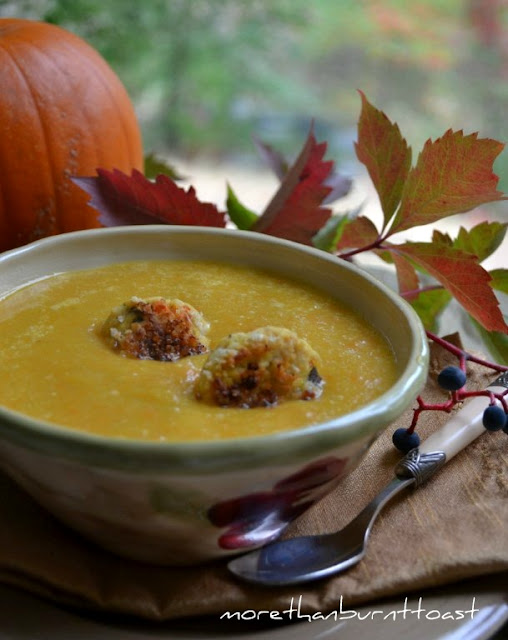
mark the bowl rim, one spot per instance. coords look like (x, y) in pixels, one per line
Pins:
(203, 456)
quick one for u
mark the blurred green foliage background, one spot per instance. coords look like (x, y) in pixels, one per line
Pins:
(206, 75)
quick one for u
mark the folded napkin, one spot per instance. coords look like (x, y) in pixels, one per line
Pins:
(451, 528)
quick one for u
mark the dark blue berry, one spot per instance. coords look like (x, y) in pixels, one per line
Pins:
(494, 418)
(505, 428)
(451, 378)
(404, 440)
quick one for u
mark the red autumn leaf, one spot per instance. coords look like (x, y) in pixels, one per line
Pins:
(453, 174)
(385, 153)
(439, 237)
(462, 276)
(295, 212)
(407, 277)
(123, 200)
(358, 232)
(340, 184)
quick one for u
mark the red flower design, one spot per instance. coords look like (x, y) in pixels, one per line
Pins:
(257, 518)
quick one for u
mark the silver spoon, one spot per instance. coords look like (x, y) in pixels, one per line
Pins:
(307, 558)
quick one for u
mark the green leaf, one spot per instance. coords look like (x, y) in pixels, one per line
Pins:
(154, 166)
(329, 235)
(482, 240)
(242, 217)
(385, 153)
(496, 342)
(385, 256)
(438, 237)
(499, 279)
(429, 305)
(453, 174)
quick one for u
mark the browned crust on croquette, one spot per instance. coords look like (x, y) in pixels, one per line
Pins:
(158, 331)
(260, 373)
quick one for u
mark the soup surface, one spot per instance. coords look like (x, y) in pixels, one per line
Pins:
(55, 366)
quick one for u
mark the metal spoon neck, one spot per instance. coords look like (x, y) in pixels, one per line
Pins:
(420, 466)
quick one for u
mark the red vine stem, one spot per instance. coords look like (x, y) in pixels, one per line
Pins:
(377, 244)
(464, 355)
(456, 398)
(413, 293)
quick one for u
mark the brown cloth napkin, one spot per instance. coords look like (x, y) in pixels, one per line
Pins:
(453, 527)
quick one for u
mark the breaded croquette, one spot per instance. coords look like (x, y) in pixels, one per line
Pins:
(258, 369)
(156, 329)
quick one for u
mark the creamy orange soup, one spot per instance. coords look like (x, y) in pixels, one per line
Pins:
(55, 366)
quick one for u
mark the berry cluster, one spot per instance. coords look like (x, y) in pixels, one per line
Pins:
(495, 416)
(453, 379)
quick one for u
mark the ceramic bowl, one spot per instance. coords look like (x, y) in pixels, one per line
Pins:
(184, 503)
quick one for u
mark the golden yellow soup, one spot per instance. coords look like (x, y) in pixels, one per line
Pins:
(55, 366)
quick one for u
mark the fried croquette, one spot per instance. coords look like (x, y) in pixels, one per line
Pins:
(156, 329)
(259, 369)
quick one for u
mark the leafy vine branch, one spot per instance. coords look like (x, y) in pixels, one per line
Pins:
(452, 175)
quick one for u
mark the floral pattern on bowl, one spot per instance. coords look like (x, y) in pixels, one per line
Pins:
(256, 518)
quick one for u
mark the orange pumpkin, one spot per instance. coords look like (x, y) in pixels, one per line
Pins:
(63, 113)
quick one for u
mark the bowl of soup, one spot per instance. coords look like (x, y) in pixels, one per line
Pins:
(297, 362)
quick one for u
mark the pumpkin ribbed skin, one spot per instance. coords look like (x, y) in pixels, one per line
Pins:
(63, 113)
